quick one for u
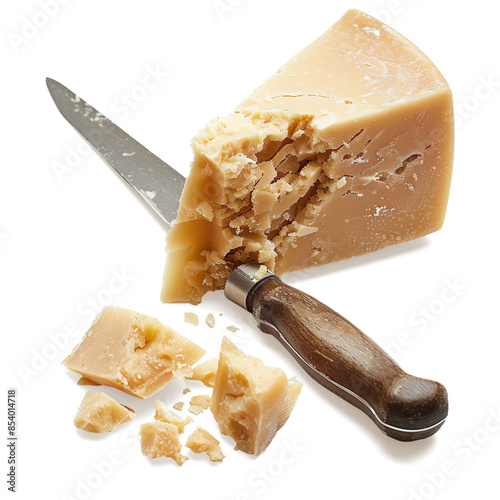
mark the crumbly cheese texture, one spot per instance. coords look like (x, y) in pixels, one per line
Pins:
(348, 148)
(202, 441)
(161, 439)
(250, 400)
(100, 413)
(132, 352)
(163, 414)
(205, 372)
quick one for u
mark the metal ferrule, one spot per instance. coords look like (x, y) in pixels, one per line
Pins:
(241, 282)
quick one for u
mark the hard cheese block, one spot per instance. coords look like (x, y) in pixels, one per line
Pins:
(346, 149)
(100, 413)
(250, 400)
(132, 352)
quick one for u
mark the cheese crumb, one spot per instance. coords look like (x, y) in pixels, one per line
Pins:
(203, 401)
(164, 415)
(161, 439)
(195, 409)
(202, 441)
(210, 320)
(341, 182)
(261, 272)
(191, 318)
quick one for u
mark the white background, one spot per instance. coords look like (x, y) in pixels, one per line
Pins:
(69, 225)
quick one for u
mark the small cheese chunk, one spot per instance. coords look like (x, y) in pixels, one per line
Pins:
(346, 149)
(163, 414)
(251, 401)
(132, 352)
(210, 320)
(205, 372)
(100, 413)
(202, 400)
(195, 409)
(161, 439)
(191, 318)
(179, 406)
(202, 441)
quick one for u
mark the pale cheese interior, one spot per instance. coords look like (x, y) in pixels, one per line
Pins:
(250, 400)
(346, 149)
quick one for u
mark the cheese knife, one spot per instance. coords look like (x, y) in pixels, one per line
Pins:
(328, 347)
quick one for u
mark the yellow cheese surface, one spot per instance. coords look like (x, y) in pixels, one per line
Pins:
(132, 352)
(250, 400)
(161, 439)
(348, 148)
(202, 441)
(100, 413)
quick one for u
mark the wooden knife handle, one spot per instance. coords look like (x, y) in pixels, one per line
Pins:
(347, 362)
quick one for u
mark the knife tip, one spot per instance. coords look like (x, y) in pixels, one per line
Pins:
(50, 82)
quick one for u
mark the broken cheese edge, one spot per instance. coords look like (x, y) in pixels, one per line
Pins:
(200, 441)
(100, 413)
(86, 381)
(196, 409)
(191, 318)
(348, 148)
(250, 400)
(161, 439)
(163, 414)
(132, 352)
(204, 372)
(201, 400)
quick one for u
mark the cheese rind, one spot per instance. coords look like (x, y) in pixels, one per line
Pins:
(202, 441)
(132, 352)
(250, 400)
(100, 413)
(348, 148)
(161, 439)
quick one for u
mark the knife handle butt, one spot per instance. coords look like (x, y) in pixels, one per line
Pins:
(347, 362)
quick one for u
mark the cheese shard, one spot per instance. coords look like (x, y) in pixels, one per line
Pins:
(210, 320)
(250, 400)
(100, 413)
(202, 400)
(191, 318)
(202, 441)
(163, 414)
(205, 372)
(86, 381)
(348, 148)
(132, 352)
(161, 439)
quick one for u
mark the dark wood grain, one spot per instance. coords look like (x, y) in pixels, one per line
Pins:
(331, 349)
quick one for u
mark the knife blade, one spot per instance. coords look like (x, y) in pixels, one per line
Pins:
(143, 170)
(331, 350)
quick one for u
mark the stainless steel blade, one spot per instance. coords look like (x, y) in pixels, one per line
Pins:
(156, 181)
